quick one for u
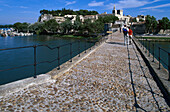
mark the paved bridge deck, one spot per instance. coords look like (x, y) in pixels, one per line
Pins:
(112, 78)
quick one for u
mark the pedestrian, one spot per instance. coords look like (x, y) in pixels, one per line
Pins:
(125, 32)
(130, 35)
(120, 29)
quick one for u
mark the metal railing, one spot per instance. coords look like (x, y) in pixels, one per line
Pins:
(71, 51)
(146, 44)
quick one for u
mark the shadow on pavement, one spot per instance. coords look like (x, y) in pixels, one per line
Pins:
(132, 81)
(115, 43)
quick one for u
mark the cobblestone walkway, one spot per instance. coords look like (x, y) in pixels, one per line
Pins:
(112, 78)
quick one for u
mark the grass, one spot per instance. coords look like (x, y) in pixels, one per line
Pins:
(155, 37)
(77, 37)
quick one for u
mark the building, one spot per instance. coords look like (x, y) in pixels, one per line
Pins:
(91, 17)
(45, 17)
(59, 19)
(141, 17)
(120, 15)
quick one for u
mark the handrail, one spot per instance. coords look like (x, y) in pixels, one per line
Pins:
(71, 51)
(141, 42)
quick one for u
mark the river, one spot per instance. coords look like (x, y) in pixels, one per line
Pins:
(25, 56)
(163, 53)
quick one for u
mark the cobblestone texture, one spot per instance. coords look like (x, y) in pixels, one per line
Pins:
(113, 78)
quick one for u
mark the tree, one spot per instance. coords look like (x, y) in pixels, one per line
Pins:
(77, 24)
(21, 27)
(108, 19)
(68, 11)
(51, 26)
(153, 24)
(141, 20)
(150, 23)
(164, 23)
(134, 20)
(66, 26)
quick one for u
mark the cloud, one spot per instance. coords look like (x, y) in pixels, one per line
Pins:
(10, 6)
(23, 7)
(28, 12)
(94, 3)
(69, 3)
(158, 6)
(130, 4)
(76, 9)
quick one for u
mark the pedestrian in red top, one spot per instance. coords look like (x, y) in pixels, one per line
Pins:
(130, 35)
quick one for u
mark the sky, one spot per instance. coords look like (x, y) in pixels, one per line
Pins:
(12, 11)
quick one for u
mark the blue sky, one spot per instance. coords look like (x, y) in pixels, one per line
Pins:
(12, 11)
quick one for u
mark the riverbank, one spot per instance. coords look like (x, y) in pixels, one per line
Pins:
(78, 37)
(157, 39)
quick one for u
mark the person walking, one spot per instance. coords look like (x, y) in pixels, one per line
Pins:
(130, 35)
(125, 32)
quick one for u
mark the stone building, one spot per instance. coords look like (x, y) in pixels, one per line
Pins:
(120, 15)
(59, 19)
(45, 17)
(91, 17)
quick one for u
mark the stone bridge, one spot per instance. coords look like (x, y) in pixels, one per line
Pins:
(113, 77)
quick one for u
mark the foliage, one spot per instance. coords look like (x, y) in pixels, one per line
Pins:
(21, 27)
(51, 26)
(6, 26)
(141, 20)
(66, 26)
(154, 23)
(108, 19)
(67, 11)
(164, 23)
(134, 20)
(77, 26)
(151, 23)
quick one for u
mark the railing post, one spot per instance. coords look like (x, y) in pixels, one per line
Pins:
(85, 46)
(159, 58)
(90, 45)
(70, 52)
(149, 49)
(169, 66)
(35, 61)
(153, 52)
(146, 44)
(79, 47)
(143, 43)
(58, 68)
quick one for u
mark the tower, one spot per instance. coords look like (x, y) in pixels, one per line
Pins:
(114, 12)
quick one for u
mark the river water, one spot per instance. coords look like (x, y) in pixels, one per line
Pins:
(25, 56)
(165, 48)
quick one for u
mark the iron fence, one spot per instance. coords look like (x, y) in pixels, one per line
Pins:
(70, 54)
(146, 45)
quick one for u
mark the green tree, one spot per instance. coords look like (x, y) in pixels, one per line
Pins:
(21, 27)
(141, 20)
(77, 24)
(169, 25)
(153, 24)
(66, 26)
(164, 23)
(37, 27)
(108, 19)
(51, 26)
(148, 23)
(68, 11)
(134, 20)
